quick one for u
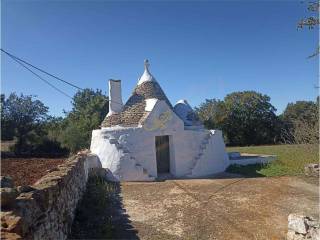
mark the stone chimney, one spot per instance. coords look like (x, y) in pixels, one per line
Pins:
(115, 99)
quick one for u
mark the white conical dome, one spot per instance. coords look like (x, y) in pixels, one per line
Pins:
(186, 113)
(146, 76)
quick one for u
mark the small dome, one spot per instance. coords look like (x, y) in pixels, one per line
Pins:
(186, 113)
(146, 76)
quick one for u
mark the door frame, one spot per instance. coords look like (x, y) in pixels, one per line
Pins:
(168, 152)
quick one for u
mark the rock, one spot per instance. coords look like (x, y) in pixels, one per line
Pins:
(93, 161)
(104, 173)
(25, 189)
(6, 182)
(8, 195)
(311, 222)
(314, 233)
(312, 169)
(302, 227)
(83, 152)
(297, 223)
(291, 235)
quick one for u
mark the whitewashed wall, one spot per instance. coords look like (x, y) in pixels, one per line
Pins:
(140, 141)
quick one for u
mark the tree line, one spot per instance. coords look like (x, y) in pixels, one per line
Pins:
(26, 120)
(246, 118)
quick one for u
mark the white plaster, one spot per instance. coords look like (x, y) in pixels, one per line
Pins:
(184, 110)
(146, 76)
(150, 103)
(115, 101)
(135, 148)
(130, 152)
(248, 160)
(93, 161)
(214, 159)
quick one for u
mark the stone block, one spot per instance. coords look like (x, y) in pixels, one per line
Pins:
(6, 182)
(312, 169)
(8, 196)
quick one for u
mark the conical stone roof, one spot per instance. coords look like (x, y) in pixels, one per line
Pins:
(134, 110)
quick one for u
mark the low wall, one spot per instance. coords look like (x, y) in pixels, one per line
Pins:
(247, 159)
(46, 209)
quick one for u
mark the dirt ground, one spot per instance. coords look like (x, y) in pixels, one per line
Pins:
(26, 171)
(231, 208)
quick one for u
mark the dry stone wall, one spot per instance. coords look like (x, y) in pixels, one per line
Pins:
(46, 209)
(301, 227)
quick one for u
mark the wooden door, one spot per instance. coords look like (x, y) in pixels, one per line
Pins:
(163, 154)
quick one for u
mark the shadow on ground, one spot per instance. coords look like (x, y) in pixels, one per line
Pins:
(233, 171)
(100, 214)
(251, 170)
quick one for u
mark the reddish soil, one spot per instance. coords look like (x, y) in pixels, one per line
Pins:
(26, 171)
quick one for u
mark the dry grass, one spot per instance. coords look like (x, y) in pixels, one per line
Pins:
(5, 145)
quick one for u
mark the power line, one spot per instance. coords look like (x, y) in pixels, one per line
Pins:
(51, 85)
(39, 69)
(23, 62)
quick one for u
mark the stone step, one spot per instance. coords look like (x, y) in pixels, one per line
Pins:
(125, 155)
(203, 147)
(113, 140)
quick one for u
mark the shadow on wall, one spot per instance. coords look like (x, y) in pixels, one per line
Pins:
(100, 214)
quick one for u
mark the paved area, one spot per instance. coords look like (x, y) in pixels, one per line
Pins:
(231, 208)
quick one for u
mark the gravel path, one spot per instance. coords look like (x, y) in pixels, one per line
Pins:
(233, 208)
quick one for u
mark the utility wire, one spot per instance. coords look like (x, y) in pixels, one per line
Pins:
(14, 57)
(51, 85)
(23, 62)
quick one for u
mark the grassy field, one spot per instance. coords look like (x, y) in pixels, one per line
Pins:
(291, 159)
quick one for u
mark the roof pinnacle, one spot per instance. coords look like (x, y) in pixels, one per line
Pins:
(146, 64)
(146, 76)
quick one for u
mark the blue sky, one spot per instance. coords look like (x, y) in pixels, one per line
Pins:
(197, 50)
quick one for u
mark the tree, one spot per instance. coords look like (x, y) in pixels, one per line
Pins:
(300, 110)
(211, 113)
(251, 119)
(89, 109)
(312, 21)
(7, 129)
(22, 115)
(301, 122)
(246, 118)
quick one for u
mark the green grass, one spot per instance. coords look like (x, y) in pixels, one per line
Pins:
(291, 160)
(93, 218)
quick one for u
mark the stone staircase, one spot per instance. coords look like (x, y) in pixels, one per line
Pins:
(202, 148)
(126, 155)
